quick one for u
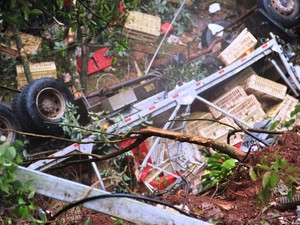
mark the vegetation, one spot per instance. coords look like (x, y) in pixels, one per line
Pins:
(16, 196)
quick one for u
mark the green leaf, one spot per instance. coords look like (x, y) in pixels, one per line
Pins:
(25, 212)
(21, 201)
(274, 125)
(60, 3)
(2, 139)
(252, 174)
(279, 163)
(274, 179)
(228, 164)
(266, 179)
(87, 221)
(10, 153)
(36, 12)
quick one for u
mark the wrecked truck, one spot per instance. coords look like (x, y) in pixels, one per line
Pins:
(45, 100)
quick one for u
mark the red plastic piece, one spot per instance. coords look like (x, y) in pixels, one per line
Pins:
(139, 153)
(97, 63)
(121, 7)
(163, 182)
(238, 145)
(165, 27)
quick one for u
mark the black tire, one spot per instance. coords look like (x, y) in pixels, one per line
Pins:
(43, 105)
(8, 122)
(207, 36)
(286, 13)
(17, 104)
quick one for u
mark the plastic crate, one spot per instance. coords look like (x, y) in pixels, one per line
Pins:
(228, 100)
(193, 127)
(142, 26)
(219, 132)
(38, 70)
(287, 106)
(30, 43)
(249, 110)
(244, 43)
(97, 62)
(265, 88)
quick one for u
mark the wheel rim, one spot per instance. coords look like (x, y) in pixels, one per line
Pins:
(284, 7)
(5, 130)
(50, 104)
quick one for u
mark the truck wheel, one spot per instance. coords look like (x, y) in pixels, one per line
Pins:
(285, 12)
(8, 122)
(17, 105)
(43, 105)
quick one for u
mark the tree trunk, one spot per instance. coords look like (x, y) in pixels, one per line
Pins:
(22, 53)
(207, 142)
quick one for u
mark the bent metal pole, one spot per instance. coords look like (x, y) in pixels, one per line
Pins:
(164, 37)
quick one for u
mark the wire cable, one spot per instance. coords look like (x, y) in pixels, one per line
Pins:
(105, 196)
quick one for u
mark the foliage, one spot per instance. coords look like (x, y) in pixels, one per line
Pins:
(178, 73)
(293, 116)
(16, 196)
(70, 124)
(166, 11)
(219, 167)
(289, 122)
(271, 170)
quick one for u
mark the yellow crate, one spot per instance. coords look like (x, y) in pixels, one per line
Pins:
(193, 127)
(241, 46)
(249, 110)
(38, 70)
(287, 106)
(219, 132)
(142, 26)
(228, 100)
(265, 88)
(30, 44)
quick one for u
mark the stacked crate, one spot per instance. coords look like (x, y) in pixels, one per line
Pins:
(142, 26)
(38, 70)
(244, 43)
(264, 88)
(31, 44)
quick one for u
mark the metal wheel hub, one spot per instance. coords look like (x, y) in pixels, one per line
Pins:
(50, 103)
(284, 7)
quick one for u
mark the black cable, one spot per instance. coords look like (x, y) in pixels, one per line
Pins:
(250, 134)
(71, 205)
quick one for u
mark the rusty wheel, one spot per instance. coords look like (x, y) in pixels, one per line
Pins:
(8, 123)
(51, 104)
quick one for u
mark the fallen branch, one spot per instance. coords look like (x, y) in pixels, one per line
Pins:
(177, 136)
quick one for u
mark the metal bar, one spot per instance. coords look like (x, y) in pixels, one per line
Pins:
(222, 111)
(125, 208)
(164, 37)
(101, 184)
(286, 80)
(153, 147)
